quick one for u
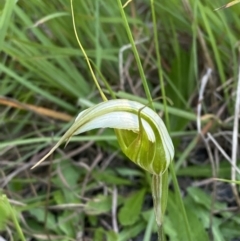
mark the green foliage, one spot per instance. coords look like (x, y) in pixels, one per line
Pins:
(43, 66)
(131, 210)
(176, 218)
(100, 204)
(9, 214)
(5, 213)
(5, 20)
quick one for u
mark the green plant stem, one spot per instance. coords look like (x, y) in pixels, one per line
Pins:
(85, 55)
(160, 73)
(161, 233)
(97, 31)
(177, 190)
(149, 228)
(159, 66)
(136, 55)
(15, 221)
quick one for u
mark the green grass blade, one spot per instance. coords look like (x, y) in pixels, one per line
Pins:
(136, 55)
(5, 20)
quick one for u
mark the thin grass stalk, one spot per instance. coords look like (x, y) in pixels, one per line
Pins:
(136, 55)
(148, 231)
(97, 31)
(85, 55)
(215, 49)
(175, 182)
(194, 40)
(235, 140)
(174, 111)
(159, 66)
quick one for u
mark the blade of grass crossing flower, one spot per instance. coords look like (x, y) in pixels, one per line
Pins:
(136, 55)
(162, 182)
(174, 111)
(159, 66)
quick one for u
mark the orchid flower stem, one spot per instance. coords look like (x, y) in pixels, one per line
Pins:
(161, 233)
(160, 194)
(136, 55)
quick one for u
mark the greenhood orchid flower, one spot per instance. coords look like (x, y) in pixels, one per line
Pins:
(142, 137)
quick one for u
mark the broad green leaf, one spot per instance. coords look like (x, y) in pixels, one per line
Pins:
(202, 198)
(169, 229)
(99, 205)
(70, 173)
(101, 234)
(175, 217)
(131, 231)
(175, 220)
(130, 212)
(98, 234)
(196, 220)
(69, 178)
(39, 215)
(111, 236)
(66, 225)
(58, 197)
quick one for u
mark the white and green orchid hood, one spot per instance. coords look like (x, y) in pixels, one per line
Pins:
(141, 133)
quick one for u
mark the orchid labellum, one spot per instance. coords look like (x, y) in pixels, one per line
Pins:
(142, 137)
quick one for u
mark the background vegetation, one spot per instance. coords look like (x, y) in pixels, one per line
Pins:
(89, 190)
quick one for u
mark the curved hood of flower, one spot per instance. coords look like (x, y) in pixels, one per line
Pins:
(145, 142)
